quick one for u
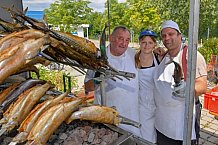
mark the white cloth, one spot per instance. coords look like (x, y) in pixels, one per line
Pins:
(169, 114)
(123, 94)
(146, 103)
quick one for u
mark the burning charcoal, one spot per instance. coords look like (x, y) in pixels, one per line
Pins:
(91, 137)
(60, 141)
(87, 128)
(76, 140)
(82, 133)
(96, 141)
(85, 143)
(103, 143)
(63, 136)
(101, 132)
(107, 138)
(115, 136)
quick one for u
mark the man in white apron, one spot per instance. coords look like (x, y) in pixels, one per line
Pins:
(122, 94)
(170, 101)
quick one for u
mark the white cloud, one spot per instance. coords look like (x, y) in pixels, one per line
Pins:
(33, 5)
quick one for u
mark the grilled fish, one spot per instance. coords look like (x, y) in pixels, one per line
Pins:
(22, 107)
(31, 119)
(6, 91)
(18, 111)
(18, 37)
(50, 120)
(12, 96)
(100, 114)
(29, 49)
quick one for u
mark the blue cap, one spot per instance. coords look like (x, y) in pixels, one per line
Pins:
(147, 32)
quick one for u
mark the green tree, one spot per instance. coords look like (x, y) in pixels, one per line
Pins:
(208, 18)
(140, 15)
(68, 13)
(97, 21)
(210, 47)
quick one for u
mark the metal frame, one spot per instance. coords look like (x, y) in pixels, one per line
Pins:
(191, 70)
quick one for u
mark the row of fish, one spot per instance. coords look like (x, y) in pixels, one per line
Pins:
(37, 120)
(31, 38)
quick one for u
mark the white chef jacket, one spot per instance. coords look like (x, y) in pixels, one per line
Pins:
(169, 114)
(146, 103)
(123, 94)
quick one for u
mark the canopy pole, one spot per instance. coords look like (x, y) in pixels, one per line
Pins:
(191, 71)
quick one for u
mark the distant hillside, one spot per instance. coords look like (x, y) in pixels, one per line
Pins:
(35, 14)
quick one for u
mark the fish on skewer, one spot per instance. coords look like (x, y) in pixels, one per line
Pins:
(18, 111)
(11, 27)
(18, 37)
(50, 120)
(29, 49)
(30, 66)
(6, 91)
(96, 113)
(101, 114)
(61, 48)
(12, 96)
(31, 119)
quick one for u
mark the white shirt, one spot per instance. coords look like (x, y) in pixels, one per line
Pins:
(123, 94)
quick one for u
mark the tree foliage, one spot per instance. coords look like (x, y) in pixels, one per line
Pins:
(209, 48)
(67, 13)
(135, 14)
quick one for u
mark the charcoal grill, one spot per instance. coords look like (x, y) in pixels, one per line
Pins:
(127, 138)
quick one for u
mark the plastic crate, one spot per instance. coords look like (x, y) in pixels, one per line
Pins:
(211, 102)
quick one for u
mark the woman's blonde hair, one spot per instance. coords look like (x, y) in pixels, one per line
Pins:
(137, 60)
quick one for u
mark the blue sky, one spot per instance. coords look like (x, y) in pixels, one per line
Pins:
(39, 5)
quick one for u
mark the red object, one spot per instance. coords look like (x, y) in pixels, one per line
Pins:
(211, 101)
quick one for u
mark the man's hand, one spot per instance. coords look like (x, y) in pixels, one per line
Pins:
(160, 51)
(179, 91)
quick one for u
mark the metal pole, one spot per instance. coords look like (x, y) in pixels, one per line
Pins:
(102, 90)
(87, 30)
(208, 33)
(108, 15)
(192, 55)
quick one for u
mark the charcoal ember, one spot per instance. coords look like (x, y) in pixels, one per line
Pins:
(85, 143)
(91, 137)
(76, 140)
(83, 133)
(107, 138)
(101, 132)
(103, 143)
(115, 136)
(97, 141)
(63, 136)
(87, 128)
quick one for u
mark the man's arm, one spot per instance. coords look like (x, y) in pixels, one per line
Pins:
(89, 82)
(89, 86)
(200, 85)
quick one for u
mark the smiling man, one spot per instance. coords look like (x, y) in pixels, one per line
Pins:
(169, 98)
(123, 94)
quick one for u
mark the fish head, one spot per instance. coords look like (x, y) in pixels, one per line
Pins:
(177, 75)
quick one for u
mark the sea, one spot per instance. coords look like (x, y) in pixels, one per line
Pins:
(35, 14)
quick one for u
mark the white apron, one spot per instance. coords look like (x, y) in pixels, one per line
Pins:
(123, 94)
(146, 103)
(169, 114)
